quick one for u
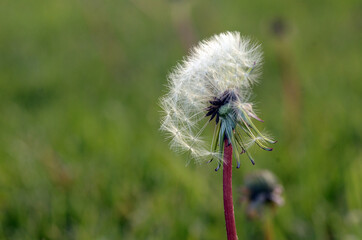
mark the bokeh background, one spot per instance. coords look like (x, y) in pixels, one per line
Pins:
(81, 156)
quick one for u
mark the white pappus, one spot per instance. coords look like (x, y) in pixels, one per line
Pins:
(214, 82)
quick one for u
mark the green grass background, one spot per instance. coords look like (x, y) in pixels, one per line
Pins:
(81, 156)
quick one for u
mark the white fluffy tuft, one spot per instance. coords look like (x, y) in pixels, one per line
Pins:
(225, 61)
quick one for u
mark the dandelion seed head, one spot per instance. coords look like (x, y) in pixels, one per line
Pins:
(261, 189)
(215, 79)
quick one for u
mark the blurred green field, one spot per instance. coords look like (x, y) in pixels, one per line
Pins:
(81, 156)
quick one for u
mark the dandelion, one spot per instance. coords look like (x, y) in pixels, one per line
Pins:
(261, 189)
(213, 85)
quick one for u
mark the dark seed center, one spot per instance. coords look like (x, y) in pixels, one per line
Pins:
(218, 102)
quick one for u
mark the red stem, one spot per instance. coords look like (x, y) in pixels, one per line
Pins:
(228, 192)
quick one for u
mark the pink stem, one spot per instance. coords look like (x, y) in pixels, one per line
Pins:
(228, 192)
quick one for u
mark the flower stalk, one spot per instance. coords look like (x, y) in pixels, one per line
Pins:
(228, 192)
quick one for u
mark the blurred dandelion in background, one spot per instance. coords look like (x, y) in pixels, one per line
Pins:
(261, 190)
